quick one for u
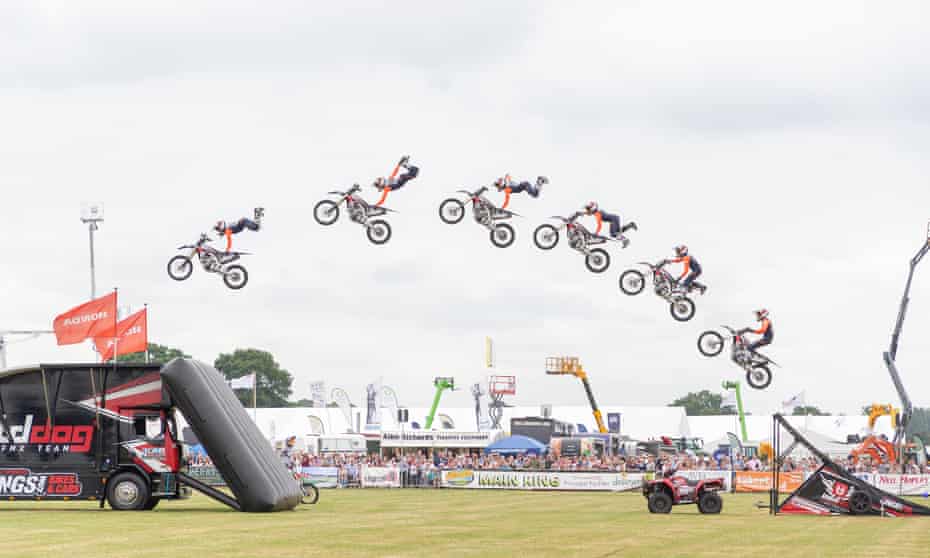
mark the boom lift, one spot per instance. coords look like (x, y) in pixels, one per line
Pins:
(569, 366)
(907, 408)
(441, 383)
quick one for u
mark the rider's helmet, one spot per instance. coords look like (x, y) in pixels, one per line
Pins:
(220, 227)
(681, 250)
(379, 182)
(291, 440)
(761, 314)
(500, 183)
(591, 207)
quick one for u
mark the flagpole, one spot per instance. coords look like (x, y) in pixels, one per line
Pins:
(255, 397)
(146, 306)
(115, 329)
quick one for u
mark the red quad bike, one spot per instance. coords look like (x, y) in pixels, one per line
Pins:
(662, 494)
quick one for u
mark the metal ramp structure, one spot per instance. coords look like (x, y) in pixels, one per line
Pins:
(831, 489)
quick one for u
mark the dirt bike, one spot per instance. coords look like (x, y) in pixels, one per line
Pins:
(309, 493)
(633, 281)
(579, 238)
(756, 365)
(326, 212)
(213, 261)
(486, 214)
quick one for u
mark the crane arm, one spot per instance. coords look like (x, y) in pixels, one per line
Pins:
(598, 418)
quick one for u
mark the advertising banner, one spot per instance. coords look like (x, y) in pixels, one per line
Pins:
(322, 477)
(380, 477)
(902, 485)
(541, 480)
(207, 474)
(759, 481)
(438, 439)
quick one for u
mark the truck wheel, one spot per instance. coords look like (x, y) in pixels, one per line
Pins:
(710, 502)
(127, 491)
(660, 502)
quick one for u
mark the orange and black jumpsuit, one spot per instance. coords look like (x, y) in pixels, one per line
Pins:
(238, 227)
(767, 333)
(614, 220)
(692, 269)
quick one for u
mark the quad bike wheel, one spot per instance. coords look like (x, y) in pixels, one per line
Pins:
(545, 237)
(682, 309)
(759, 376)
(597, 261)
(659, 502)
(710, 502)
(860, 502)
(379, 231)
(235, 277)
(710, 343)
(326, 212)
(180, 268)
(632, 282)
(451, 211)
(502, 236)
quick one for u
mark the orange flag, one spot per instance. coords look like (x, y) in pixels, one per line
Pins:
(89, 320)
(132, 333)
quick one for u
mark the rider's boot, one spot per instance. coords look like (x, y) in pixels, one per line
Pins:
(624, 241)
(404, 160)
(703, 288)
(631, 226)
(259, 213)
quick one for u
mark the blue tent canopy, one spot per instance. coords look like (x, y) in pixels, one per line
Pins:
(516, 445)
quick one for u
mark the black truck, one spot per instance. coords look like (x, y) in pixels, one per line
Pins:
(108, 433)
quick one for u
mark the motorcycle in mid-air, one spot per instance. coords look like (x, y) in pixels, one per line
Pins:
(486, 214)
(579, 238)
(326, 212)
(633, 281)
(756, 365)
(181, 266)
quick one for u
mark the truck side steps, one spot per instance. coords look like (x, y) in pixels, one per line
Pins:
(208, 490)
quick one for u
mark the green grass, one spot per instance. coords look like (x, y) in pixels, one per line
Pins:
(449, 523)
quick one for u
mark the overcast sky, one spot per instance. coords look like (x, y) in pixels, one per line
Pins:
(786, 143)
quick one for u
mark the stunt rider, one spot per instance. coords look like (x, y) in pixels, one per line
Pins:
(616, 231)
(508, 186)
(229, 229)
(692, 269)
(765, 330)
(394, 182)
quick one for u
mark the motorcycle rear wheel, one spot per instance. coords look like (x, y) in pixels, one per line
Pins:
(235, 277)
(451, 211)
(710, 343)
(180, 268)
(682, 309)
(632, 282)
(326, 212)
(379, 231)
(759, 377)
(502, 236)
(545, 237)
(597, 261)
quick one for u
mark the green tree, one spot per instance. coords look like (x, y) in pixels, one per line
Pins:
(702, 402)
(919, 425)
(157, 353)
(809, 410)
(274, 383)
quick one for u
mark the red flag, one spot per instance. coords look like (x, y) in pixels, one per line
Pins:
(91, 319)
(132, 333)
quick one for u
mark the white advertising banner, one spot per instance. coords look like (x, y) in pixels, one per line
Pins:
(438, 439)
(380, 477)
(704, 475)
(541, 480)
(901, 485)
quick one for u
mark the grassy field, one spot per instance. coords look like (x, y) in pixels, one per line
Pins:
(449, 523)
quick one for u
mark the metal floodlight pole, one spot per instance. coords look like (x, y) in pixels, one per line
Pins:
(91, 216)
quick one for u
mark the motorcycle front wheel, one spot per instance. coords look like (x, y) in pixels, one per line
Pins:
(682, 309)
(310, 494)
(502, 236)
(235, 277)
(379, 231)
(710, 343)
(597, 261)
(326, 212)
(759, 376)
(546, 237)
(632, 282)
(180, 268)
(451, 211)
